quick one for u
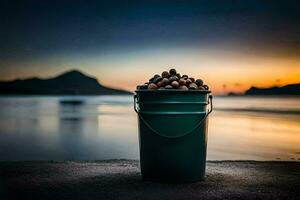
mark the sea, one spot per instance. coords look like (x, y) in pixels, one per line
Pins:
(60, 128)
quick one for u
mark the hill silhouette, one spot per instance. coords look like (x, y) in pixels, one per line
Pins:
(71, 82)
(292, 89)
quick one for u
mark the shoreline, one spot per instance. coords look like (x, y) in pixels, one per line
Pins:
(121, 179)
(136, 160)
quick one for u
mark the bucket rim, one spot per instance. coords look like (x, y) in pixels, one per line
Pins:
(174, 90)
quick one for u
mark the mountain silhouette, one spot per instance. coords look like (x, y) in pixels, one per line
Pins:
(292, 89)
(71, 82)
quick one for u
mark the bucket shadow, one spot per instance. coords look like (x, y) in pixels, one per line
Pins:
(116, 186)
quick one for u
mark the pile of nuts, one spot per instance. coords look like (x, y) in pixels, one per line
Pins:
(173, 80)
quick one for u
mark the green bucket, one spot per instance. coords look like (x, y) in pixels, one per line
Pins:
(172, 134)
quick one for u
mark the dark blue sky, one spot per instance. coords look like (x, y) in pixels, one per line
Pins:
(40, 28)
(226, 42)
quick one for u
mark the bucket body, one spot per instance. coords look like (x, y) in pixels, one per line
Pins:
(173, 128)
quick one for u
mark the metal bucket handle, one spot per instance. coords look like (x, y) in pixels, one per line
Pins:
(210, 97)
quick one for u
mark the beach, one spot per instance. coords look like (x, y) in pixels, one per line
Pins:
(121, 179)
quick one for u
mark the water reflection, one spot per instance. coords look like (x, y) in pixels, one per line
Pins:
(95, 131)
(71, 127)
(254, 136)
(43, 128)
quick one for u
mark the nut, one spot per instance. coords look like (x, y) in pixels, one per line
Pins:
(182, 82)
(160, 84)
(142, 87)
(156, 75)
(165, 74)
(175, 84)
(173, 72)
(199, 82)
(168, 87)
(201, 88)
(193, 86)
(185, 76)
(152, 86)
(157, 79)
(151, 80)
(188, 82)
(173, 78)
(165, 81)
(183, 87)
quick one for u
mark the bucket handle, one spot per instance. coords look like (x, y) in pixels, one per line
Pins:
(210, 97)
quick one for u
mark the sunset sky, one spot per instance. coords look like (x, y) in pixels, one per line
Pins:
(231, 45)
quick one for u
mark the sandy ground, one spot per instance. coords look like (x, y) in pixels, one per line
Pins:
(121, 179)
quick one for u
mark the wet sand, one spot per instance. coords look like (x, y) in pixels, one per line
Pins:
(121, 179)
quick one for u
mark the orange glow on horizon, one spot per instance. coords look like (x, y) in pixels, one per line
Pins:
(224, 72)
(229, 78)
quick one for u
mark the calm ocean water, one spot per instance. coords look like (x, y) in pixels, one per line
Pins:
(105, 127)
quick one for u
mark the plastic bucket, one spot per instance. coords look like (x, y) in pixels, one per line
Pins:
(173, 128)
